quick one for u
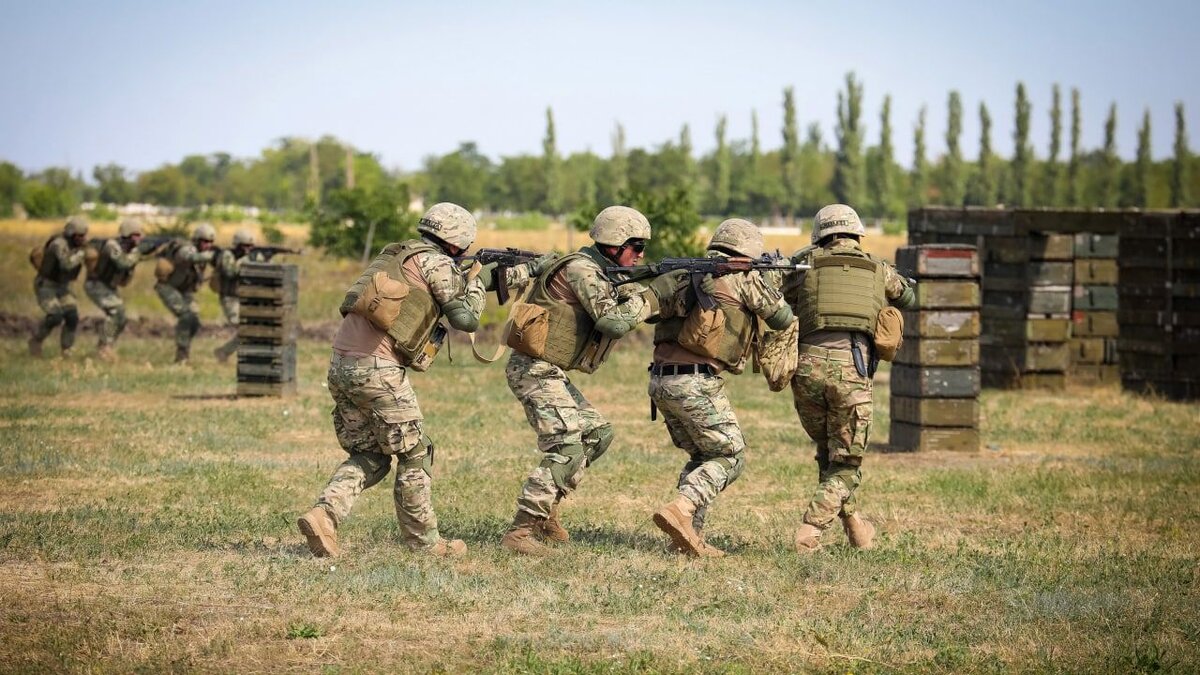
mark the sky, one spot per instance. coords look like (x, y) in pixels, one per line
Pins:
(142, 83)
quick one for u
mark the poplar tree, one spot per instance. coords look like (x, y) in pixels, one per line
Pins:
(724, 169)
(1107, 184)
(619, 164)
(789, 157)
(1074, 180)
(1019, 186)
(552, 167)
(879, 167)
(1142, 168)
(1180, 165)
(1050, 177)
(917, 183)
(848, 169)
(952, 168)
(982, 191)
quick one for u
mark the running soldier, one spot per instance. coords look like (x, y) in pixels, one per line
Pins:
(391, 322)
(58, 265)
(180, 272)
(226, 268)
(687, 388)
(114, 266)
(837, 303)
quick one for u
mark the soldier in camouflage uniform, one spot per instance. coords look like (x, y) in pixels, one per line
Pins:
(187, 263)
(62, 258)
(376, 415)
(837, 303)
(687, 388)
(226, 267)
(114, 266)
(585, 314)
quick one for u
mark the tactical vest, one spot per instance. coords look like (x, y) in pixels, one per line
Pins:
(731, 347)
(419, 313)
(221, 284)
(104, 270)
(185, 277)
(843, 291)
(572, 341)
(51, 270)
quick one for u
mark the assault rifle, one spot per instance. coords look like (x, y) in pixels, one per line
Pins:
(697, 268)
(504, 258)
(265, 253)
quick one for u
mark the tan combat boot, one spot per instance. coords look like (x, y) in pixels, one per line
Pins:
(552, 530)
(181, 356)
(521, 537)
(318, 528)
(861, 533)
(676, 520)
(808, 539)
(35, 348)
(106, 353)
(66, 354)
(446, 548)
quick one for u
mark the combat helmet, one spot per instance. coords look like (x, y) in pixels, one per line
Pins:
(243, 237)
(76, 226)
(450, 223)
(738, 236)
(129, 227)
(205, 232)
(616, 225)
(836, 219)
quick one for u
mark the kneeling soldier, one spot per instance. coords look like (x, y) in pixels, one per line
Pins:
(392, 323)
(687, 388)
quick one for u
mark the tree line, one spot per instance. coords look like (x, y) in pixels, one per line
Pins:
(299, 178)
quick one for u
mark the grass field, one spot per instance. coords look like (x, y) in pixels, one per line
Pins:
(147, 522)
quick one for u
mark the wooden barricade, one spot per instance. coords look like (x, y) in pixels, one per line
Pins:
(267, 329)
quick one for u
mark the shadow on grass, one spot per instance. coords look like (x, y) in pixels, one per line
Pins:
(205, 397)
(488, 531)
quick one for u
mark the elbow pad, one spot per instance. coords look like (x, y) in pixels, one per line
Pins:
(460, 316)
(781, 319)
(907, 299)
(615, 326)
(617, 323)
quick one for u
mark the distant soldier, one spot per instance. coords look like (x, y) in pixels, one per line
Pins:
(113, 268)
(686, 385)
(226, 268)
(58, 265)
(837, 303)
(392, 323)
(180, 272)
(569, 321)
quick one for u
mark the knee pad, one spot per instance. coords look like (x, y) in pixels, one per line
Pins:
(373, 477)
(734, 465)
(71, 317)
(564, 463)
(118, 316)
(53, 319)
(421, 457)
(597, 442)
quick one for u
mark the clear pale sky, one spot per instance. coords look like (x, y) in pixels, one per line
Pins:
(143, 83)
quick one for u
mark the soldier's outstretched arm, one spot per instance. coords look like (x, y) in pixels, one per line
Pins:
(461, 300)
(899, 293)
(765, 300)
(616, 311)
(120, 259)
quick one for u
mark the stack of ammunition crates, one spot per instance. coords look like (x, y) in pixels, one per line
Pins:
(267, 328)
(1159, 315)
(1094, 309)
(935, 377)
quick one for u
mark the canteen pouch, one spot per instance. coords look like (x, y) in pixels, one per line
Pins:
(36, 255)
(529, 327)
(380, 302)
(429, 351)
(889, 333)
(702, 331)
(163, 268)
(777, 355)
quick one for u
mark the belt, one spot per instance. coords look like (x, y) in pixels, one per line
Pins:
(365, 361)
(681, 369)
(831, 354)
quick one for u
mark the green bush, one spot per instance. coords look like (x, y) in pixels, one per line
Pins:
(342, 223)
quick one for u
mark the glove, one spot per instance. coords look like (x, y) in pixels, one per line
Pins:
(487, 274)
(539, 265)
(665, 286)
(707, 285)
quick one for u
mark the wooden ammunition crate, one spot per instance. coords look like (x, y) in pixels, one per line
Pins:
(938, 260)
(947, 294)
(936, 412)
(912, 438)
(1033, 356)
(1020, 331)
(921, 381)
(1096, 271)
(938, 352)
(1041, 273)
(267, 329)
(1089, 351)
(954, 324)
(1094, 324)
(1005, 250)
(1008, 379)
(1049, 246)
(1104, 373)
(1095, 298)
(1088, 245)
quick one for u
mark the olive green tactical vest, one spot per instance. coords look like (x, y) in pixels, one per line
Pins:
(572, 341)
(106, 272)
(735, 342)
(419, 313)
(843, 291)
(186, 276)
(224, 285)
(50, 270)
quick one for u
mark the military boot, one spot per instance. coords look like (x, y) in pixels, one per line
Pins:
(106, 353)
(66, 353)
(676, 520)
(521, 537)
(861, 533)
(223, 354)
(320, 530)
(181, 356)
(35, 348)
(551, 529)
(808, 538)
(446, 548)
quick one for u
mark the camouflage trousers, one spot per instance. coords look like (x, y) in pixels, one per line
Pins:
(186, 311)
(110, 302)
(702, 423)
(230, 307)
(835, 407)
(571, 433)
(58, 302)
(376, 417)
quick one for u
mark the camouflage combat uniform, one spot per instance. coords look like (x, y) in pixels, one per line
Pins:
(697, 413)
(834, 403)
(178, 293)
(226, 267)
(61, 264)
(113, 269)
